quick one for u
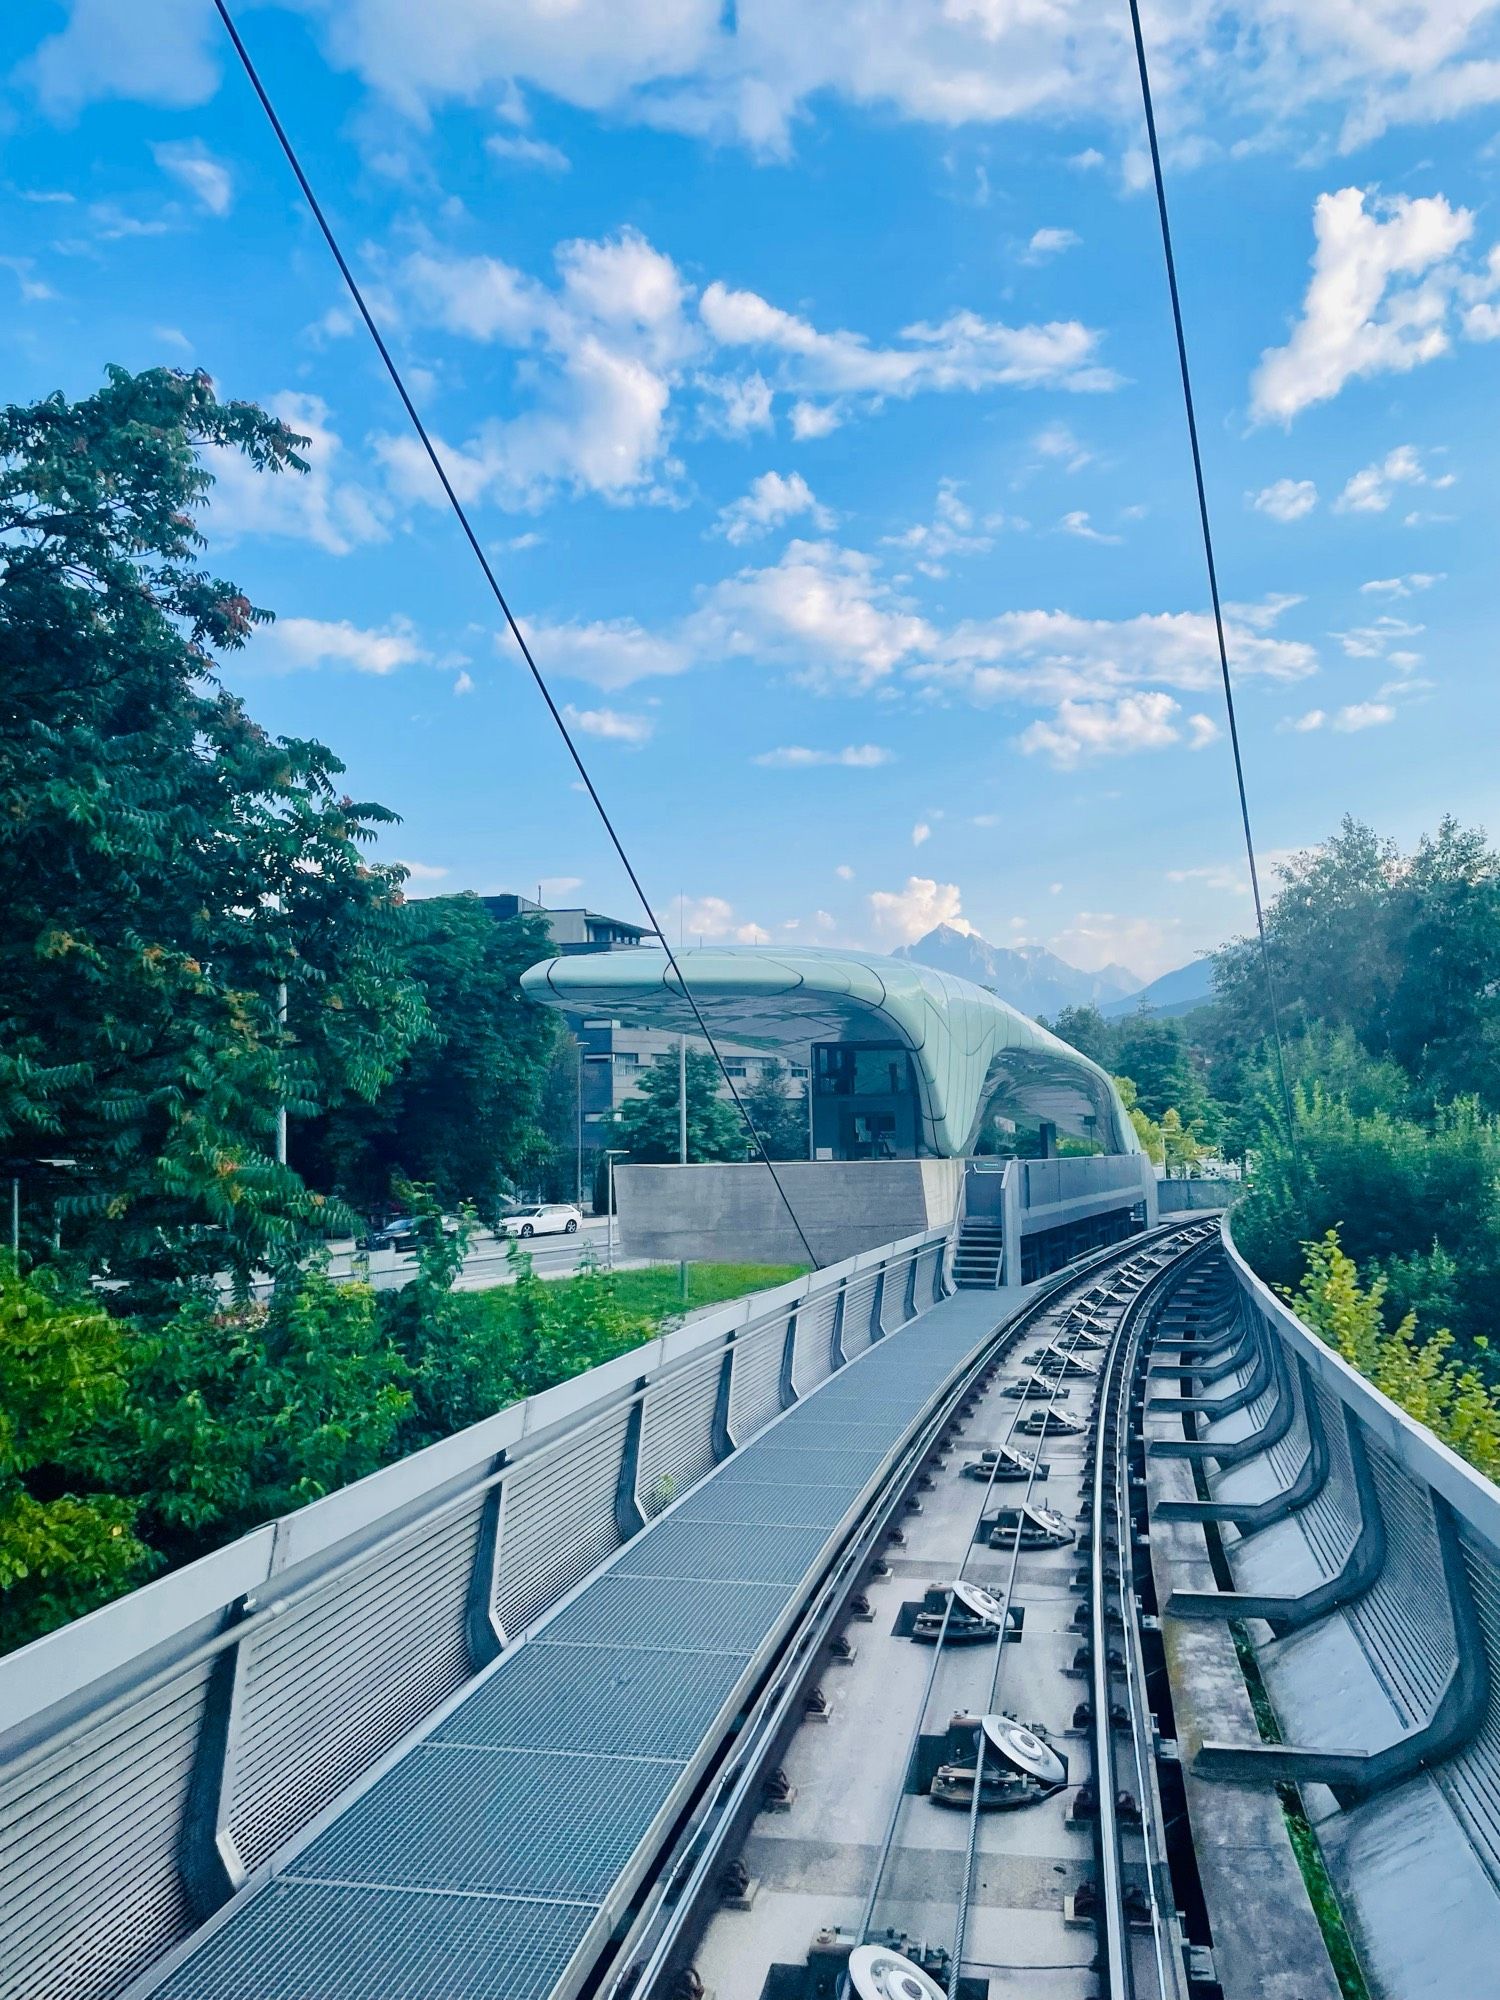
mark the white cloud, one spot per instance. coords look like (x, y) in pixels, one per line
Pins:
(963, 351)
(950, 532)
(608, 653)
(815, 420)
(921, 833)
(1285, 499)
(421, 871)
(317, 506)
(772, 499)
(1048, 243)
(797, 757)
(754, 72)
(1358, 715)
(555, 886)
(158, 51)
(844, 872)
(612, 341)
(821, 609)
(711, 918)
(464, 684)
(743, 404)
(1401, 586)
(1371, 490)
(34, 290)
(1096, 938)
(292, 644)
(208, 180)
(528, 152)
(1223, 881)
(1364, 715)
(1079, 524)
(1085, 729)
(1056, 441)
(1379, 301)
(610, 725)
(1042, 656)
(1375, 640)
(901, 916)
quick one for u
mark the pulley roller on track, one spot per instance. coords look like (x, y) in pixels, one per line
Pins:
(878, 1973)
(983, 1603)
(1023, 1748)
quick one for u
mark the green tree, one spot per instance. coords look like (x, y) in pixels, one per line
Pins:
(1417, 1373)
(237, 1415)
(164, 863)
(1403, 952)
(64, 1545)
(778, 1113)
(1154, 1054)
(461, 1113)
(1180, 1150)
(647, 1122)
(1085, 1029)
(1146, 1129)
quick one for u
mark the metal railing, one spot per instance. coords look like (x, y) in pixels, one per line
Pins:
(1372, 1553)
(157, 1752)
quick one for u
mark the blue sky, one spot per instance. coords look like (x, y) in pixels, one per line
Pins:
(809, 373)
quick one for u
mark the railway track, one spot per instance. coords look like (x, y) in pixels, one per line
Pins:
(1037, 1736)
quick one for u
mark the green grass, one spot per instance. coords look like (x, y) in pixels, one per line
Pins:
(658, 1289)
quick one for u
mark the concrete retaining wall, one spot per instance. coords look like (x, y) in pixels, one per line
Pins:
(723, 1212)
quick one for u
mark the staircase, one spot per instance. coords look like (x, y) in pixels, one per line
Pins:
(976, 1261)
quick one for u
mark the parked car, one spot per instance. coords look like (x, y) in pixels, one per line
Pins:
(400, 1234)
(547, 1218)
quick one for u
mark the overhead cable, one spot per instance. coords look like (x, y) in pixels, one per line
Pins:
(1272, 999)
(461, 514)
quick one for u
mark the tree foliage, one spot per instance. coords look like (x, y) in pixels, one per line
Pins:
(461, 1112)
(778, 1113)
(647, 1122)
(1419, 1373)
(65, 1546)
(165, 864)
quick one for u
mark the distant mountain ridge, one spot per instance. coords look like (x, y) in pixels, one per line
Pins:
(1176, 992)
(1027, 976)
(1037, 981)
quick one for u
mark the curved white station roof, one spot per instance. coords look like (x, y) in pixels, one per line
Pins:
(972, 1054)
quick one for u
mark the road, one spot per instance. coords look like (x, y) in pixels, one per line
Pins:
(486, 1264)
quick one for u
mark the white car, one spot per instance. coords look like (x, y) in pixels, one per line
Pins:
(549, 1218)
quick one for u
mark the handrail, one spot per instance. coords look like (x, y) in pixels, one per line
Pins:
(329, 1535)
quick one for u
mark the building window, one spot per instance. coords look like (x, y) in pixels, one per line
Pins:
(735, 1069)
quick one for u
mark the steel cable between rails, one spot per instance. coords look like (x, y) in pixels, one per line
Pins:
(961, 1923)
(1272, 997)
(460, 513)
(888, 1844)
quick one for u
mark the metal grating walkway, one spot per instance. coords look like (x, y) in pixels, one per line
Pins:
(481, 1864)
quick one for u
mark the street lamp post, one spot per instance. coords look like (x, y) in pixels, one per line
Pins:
(682, 1159)
(578, 1120)
(611, 1154)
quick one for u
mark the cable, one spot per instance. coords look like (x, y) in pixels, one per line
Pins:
(1213, 587)
(253, 75)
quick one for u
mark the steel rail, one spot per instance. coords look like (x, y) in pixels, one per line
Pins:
(962, 1916)
(1033, 1311)
(1162, 1913)
(645, 1954)
(1112, 1424)
(970, 1854)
